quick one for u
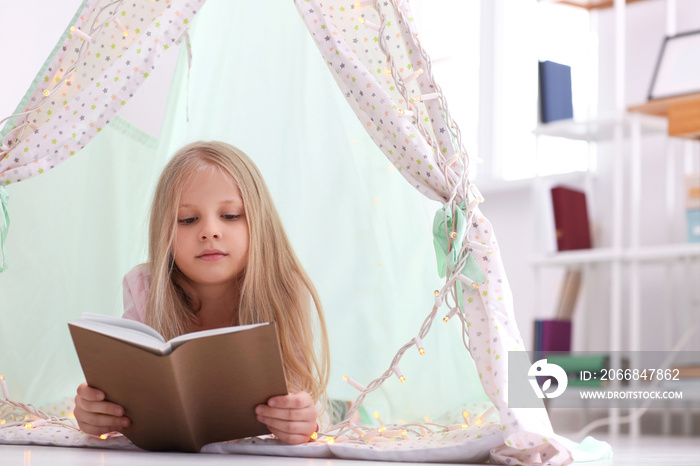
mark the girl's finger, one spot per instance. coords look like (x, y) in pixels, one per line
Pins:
(89, 393)
(102, 407)
(291, 439)
(304, 414)
(101, 420)
(289, 427)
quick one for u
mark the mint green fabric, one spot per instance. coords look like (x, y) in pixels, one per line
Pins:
(588, 450)
(76, 230)
(4, 225)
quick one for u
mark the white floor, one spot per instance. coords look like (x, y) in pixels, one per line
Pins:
(666, 451)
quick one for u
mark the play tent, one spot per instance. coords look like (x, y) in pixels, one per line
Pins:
(374, 53)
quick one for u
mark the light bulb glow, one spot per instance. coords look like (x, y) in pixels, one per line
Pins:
(330, 440)
(103, 437)
(314, 436)
(381, 429)
(121, 27)
(450, 314)
(398, 373)
(424, 97)
(413, 75)
(80, 33)
(46, 92)
(369, 24)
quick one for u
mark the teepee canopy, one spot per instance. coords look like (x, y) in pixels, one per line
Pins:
(375, 55)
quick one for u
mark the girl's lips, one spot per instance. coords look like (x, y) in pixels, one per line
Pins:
(212, 257)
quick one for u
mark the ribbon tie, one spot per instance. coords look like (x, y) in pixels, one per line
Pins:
(449, 240)
(4, 224)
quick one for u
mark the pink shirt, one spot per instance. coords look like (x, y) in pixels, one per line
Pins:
(136, 285)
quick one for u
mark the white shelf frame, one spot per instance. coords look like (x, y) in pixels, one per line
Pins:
(619, 257)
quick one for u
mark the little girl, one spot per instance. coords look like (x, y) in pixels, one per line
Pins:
(218, 256)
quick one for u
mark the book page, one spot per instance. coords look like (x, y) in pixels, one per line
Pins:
(177, 341)
(129, 334)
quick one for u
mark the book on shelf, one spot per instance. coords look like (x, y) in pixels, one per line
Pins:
(568, 295)
(556, 101)
(687, 371)
(182, 394)
(692, 207)
(552, 335)
(570, 218)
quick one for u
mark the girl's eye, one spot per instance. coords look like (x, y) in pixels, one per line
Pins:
(186, 221)
(231, 216)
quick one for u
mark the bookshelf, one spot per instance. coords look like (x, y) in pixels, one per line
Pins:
(589, 4)
(625, 256)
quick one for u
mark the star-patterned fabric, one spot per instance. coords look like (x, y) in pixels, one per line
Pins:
(374, 55)
(103, 57)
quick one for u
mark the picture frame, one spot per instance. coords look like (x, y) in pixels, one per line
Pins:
(677, 69)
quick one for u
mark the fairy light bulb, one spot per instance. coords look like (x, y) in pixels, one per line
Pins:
(121, 27)
(466, 415)
(314, 436)
(80, 33)
(381, 429)
(46, 92)
(330, 440)
(437, 293)
(398, 373)
(3, 385)
(453, 235)
(369, 24)
(354, 383)
(413, 75)
(419, 345)
(403, 112)
(103, 437)
(450, 314)
(424, 97)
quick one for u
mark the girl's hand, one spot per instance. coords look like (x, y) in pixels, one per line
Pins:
(292, 418)
(96, 416)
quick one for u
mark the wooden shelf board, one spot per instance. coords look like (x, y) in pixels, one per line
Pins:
(588, 4)
(660, 253)
(683, 113)
(659, 107)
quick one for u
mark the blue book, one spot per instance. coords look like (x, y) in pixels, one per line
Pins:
(555, 92)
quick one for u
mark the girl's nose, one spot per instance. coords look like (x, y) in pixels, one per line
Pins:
(210, 231)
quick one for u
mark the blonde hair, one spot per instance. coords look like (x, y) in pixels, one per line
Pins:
(275, 287)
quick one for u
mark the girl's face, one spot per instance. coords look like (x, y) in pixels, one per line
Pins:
(211, 241)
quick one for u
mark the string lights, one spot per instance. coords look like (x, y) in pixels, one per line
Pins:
(23, 124)
(459, 187)
(14, 414)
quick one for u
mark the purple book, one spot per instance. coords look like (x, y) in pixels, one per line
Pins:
(556, 335)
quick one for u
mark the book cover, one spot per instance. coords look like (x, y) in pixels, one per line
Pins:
(556, 102)
(556, 335)
(570, 218)
(569, 294)
(180, 397)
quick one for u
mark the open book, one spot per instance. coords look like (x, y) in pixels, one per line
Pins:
(182, 394)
